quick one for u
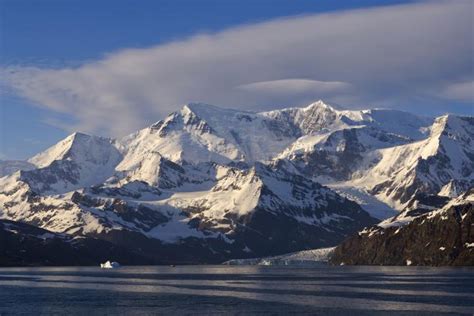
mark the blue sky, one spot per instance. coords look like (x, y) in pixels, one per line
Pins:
(60, 60)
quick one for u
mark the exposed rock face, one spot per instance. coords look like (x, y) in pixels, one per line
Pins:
(437, 238)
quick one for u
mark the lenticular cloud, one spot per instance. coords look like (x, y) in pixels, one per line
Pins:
(383, 56)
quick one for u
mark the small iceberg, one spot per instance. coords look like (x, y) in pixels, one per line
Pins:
(110, 265)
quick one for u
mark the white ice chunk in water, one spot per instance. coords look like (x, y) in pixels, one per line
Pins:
(109, 265)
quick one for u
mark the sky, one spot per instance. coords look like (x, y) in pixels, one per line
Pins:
(110, 68)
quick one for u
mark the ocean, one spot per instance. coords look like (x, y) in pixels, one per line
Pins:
(237, 290)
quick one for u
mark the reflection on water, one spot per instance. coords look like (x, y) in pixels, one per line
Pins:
(237, 289)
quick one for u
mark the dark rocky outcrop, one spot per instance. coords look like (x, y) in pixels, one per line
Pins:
(439, 238)
(26, 245)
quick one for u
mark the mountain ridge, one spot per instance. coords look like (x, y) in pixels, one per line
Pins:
(229, 182)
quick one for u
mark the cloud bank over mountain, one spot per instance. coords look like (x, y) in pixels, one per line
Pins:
(384, 56)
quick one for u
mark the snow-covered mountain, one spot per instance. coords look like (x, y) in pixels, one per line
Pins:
(442, 164)
(79, 160)
(397, 167)
(207, 184)
(232, 212)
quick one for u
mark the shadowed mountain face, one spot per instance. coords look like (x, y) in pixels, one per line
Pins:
(208, 184)
(439, 237)
(23, 244)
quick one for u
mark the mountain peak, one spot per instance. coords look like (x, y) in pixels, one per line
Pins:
(452, 123)
(77, 144)
(58, 151)
(193, 106)
(76, 135)
(320, 104)
(207, 111)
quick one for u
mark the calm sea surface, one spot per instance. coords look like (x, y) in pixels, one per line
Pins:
(241, 290)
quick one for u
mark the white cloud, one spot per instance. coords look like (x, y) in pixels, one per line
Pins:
(380, 55)
(295, 86)
(461, 91)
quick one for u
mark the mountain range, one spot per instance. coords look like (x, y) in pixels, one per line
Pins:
(208, 184)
